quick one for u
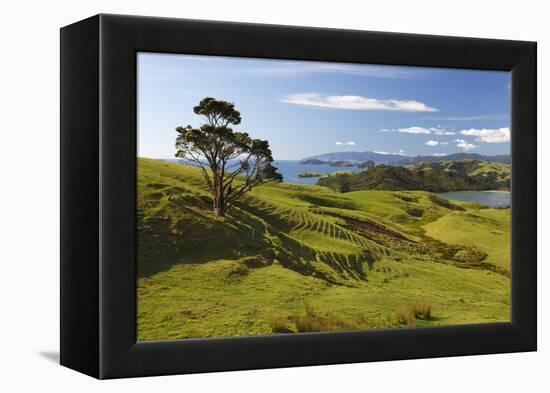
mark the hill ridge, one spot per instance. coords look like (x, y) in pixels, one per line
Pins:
(397, 159)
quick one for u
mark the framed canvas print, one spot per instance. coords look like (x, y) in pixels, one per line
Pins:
(239, 196)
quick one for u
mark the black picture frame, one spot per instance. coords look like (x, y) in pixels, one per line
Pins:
(98, 195)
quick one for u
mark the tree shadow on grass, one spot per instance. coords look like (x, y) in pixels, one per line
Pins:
(248, 230)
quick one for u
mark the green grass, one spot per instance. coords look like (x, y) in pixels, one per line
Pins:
(486, 229)
(499, 169)
(353, 259)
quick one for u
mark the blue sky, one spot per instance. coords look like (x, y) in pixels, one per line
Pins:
(309, 108)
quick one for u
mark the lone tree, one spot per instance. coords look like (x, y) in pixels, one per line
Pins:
(231, 162)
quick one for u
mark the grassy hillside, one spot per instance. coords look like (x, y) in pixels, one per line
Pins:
(427, 176)
(487, 229)
(294, 257)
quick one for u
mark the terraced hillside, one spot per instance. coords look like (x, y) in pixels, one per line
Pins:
(291, 258)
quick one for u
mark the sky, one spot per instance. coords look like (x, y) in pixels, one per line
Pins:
(308, 108)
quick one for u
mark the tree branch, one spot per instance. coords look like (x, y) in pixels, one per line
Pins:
(204, 171)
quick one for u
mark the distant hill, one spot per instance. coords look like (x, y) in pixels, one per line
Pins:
(355, 157)
(397, 159)
(464, 175)
(504, 158)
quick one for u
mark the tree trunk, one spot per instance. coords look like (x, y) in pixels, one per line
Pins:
(218, 204)
(219, 212)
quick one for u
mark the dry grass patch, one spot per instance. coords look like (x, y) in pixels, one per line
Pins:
(312, 321)
(409, 315)
(280, 324)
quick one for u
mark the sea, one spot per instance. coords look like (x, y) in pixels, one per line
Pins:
(291, 168)
(487, 198)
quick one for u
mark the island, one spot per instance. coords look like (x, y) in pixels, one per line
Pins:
(342, 163)
(311, 174)
(313, 161)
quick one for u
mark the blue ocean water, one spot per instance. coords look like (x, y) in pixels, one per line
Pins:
(488, 198)
(291, 168)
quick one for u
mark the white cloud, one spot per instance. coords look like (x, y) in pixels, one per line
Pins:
(339, 143)
(356, 103)
(348, 143)
(438, 154)
(299, 68)
(489, 135)
(401, 152)
(422, 130)
(464, 145)
(414, 130)
(469, 118)
(431, 142)
(444, 132)
(441, 131)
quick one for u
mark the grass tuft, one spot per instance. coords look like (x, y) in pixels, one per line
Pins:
(409, 315)
(312, 321)
(279, 324)
(427, 311)
(405, 317)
